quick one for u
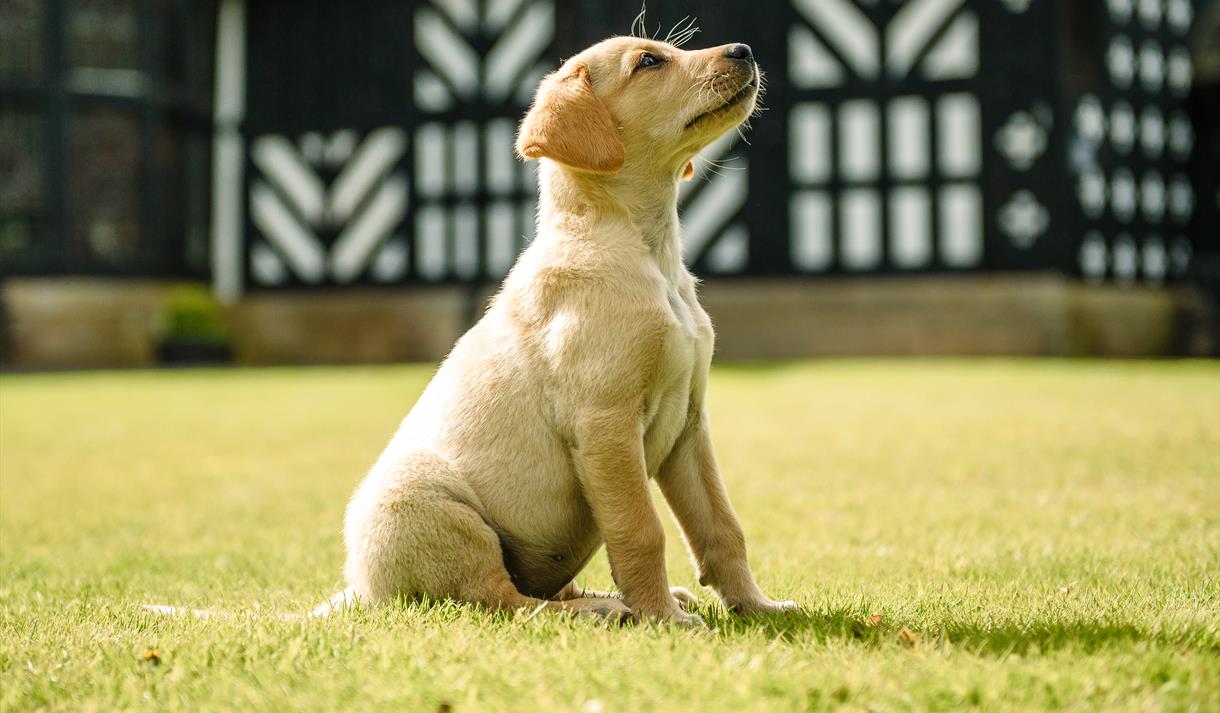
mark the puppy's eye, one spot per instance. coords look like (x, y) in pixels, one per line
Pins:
(648, 60)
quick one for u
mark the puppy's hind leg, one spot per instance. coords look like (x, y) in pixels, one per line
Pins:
(493, 587)
(425, 542)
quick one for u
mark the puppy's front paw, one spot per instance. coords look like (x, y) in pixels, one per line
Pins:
(687, 621)
(677, 618)
(763, 606)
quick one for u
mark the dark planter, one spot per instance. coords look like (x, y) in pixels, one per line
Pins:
(193, 352)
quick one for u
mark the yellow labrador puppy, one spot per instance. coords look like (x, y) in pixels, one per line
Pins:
(535, 441)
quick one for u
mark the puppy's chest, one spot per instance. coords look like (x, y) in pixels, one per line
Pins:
(687, 343)
(682, 366)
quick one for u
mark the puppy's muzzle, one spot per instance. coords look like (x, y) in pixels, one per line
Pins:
(747, 90)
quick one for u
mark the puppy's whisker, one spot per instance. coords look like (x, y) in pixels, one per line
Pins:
(675, 33)
(670, 35)
(680, 37)
(686, 94)
(712, 167)
(742, 135)
(683, 39)
(637, 25)
(702, 87)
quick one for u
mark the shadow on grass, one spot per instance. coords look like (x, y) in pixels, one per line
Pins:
(999, 639)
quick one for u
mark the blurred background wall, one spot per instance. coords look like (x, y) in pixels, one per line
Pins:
(281, 182)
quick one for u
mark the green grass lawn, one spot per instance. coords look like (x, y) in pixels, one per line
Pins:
(999, 534)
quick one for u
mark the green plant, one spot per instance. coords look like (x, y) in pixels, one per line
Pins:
(192, 314)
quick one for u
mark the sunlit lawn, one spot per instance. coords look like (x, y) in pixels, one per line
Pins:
(1006, 535)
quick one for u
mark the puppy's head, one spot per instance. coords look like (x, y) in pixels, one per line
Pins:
(629, 101)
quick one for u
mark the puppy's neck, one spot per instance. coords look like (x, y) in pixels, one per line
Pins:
(588, 205)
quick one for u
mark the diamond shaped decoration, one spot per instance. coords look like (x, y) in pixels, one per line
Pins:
(1021, 140)
(1023, 219)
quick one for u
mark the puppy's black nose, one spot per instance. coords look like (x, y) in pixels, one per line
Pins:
(739, 51)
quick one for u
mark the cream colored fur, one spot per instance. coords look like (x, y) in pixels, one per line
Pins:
(535, 441)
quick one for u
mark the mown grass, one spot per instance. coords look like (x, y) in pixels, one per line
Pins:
(994, 534)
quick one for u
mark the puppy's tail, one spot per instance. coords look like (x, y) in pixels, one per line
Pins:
(342, 600)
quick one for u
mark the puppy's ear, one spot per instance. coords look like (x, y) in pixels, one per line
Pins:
(688, 172)
(569, 124)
